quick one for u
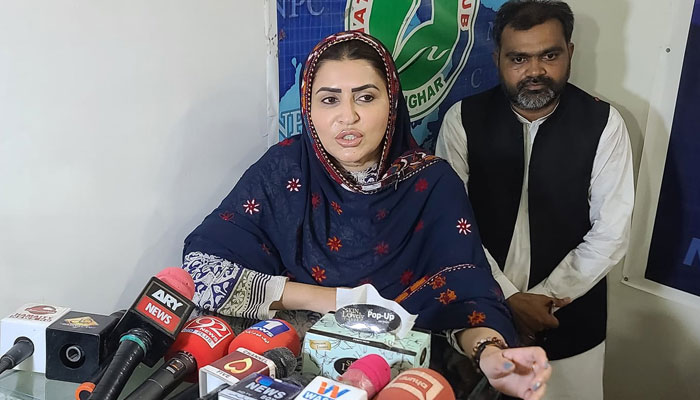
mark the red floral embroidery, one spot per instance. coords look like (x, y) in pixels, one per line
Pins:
(293, 185)
(381, 249)
(334, 244)
(336, 207)
(381, 214)
(286, 142)
(438, 282)
(406, 277)
(266, 249)
(447, 296)
(419, 226)
(315, 200)
(463, 226)
(251, 206)
(476, 318)
(226, 216)
(318, 273)
(421, 185)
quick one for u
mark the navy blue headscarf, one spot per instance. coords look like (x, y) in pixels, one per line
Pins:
(411, 234)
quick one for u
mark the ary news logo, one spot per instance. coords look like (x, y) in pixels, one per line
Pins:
(162, 307)
(430, 43)
(212, 330)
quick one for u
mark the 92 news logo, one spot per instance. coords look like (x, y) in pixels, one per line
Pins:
(162, 306)
(211, 330)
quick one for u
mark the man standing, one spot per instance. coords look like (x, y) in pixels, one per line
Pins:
(548, 169)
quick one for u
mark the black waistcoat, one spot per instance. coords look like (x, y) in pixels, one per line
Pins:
(559, 179)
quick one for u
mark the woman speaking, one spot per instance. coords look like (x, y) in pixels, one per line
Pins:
(353, 200)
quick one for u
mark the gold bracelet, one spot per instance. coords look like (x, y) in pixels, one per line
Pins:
(481, 345)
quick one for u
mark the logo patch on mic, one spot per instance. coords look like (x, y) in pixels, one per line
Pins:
(211, 330)
(270, 328)
(41, 310)
(80, 322)
(161, 306)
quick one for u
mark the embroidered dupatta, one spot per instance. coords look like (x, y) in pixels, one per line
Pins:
(411, 234)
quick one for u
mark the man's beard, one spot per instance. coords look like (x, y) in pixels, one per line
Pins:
(531, 100)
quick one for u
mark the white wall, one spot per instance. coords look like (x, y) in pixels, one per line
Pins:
(653, 344)
(122, 124)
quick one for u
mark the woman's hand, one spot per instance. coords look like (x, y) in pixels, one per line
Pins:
(521, 372)
(302, 296)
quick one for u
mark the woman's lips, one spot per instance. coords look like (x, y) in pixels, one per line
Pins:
(350, 138)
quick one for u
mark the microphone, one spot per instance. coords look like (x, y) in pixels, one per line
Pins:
(266, 335)
(417, 384)
(203, 340)
(259, 387)
(148, 328)
(244, 355)
(361, 381)
(369, 373)
(322, 388)
(23, 336)
(76, 345)
(190, 393)
(161, 309)
(234, 368)
(85, 389)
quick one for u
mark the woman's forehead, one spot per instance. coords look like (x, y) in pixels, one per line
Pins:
(346, 73)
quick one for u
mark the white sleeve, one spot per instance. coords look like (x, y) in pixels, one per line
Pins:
(451, 145)
(611, 198)
(506, 285)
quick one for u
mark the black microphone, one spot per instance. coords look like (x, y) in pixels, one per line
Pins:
(23, 336)
(148, 328)
(202, 341)
(76, 345)
(20, 351)
(285, 363)
(191, 393)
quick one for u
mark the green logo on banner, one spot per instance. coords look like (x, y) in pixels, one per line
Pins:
(430, 53)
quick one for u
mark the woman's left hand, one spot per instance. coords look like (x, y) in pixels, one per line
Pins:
(521, 372)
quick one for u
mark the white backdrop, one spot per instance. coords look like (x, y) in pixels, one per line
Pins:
(122, 124)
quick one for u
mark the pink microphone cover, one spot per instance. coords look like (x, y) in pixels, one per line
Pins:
(375, 368)
(178, 279)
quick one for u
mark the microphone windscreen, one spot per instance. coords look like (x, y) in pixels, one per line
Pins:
(206, 338)
(285, 361)
(178, 279)
(375, 368)
(266, 335)
(417, 384)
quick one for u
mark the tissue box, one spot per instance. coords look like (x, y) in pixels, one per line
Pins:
(329, 349)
